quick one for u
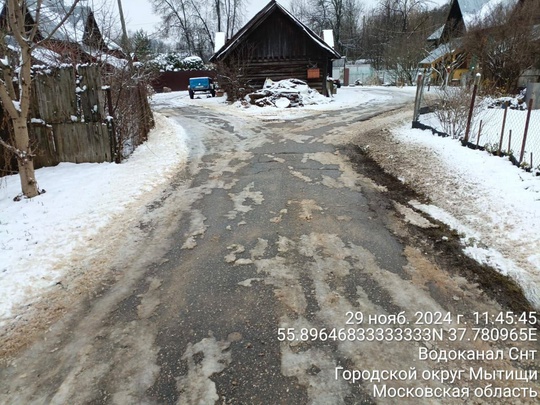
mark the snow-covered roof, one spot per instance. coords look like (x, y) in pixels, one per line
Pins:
(440, 52)
(471, 6)
(478, 10)
(261, 16)
(51, 14)
(80, 29)
(46, 56)
(435, 55)
(105, 58)
(437, 34)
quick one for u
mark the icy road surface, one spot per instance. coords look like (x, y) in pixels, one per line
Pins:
(278, 265)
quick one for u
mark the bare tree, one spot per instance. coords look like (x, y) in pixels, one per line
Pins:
(340, 16)
(350, 29)
(406, 37)
(233, 74)
(393, 35)
(505, 43)
(195, 22)
(16, 81)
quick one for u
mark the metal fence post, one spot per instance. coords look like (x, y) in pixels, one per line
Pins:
(471, 109)
(479, 133)
(526, 131)
(419, 89)
(502, 130)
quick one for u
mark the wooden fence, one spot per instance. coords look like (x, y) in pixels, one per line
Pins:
(66, 117)
(68, 122)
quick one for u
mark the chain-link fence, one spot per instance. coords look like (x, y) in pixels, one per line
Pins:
(512, 130)
(504, 126)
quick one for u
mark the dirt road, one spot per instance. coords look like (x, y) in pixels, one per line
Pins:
(282, 267)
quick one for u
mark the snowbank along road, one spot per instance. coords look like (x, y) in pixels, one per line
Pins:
(282, 267)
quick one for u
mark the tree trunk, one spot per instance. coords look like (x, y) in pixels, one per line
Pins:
(25, 158)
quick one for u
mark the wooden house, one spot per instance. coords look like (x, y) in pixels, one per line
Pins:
(77, 40)
(447, 52)
(276, 45)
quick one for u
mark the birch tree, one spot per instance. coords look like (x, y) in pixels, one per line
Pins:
(16, 82)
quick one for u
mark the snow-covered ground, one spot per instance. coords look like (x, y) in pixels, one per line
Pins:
(37, 235)
(494, 205)
(346, 97)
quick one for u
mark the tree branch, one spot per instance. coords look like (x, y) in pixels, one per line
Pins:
(12, 149)
(64, 19)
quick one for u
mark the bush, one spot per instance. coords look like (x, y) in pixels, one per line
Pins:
(452, 110)
(175, 62)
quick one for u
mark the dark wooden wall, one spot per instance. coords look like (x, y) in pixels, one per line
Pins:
(279, 49)
(259, 70)
(279, 38)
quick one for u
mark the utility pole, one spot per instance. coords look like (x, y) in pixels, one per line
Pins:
(125, 40)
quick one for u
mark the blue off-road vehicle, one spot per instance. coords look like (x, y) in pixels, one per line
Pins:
(201, 84)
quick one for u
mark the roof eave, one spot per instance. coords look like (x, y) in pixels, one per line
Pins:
(258, 19)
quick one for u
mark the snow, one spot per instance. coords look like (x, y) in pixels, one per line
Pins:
(494, 205)
(106, 58)
(37, 235)
(16, 104)
(46, 56)
(278, 94)
(476, 11)
(491, 120)
(192, 59)
(346, 97)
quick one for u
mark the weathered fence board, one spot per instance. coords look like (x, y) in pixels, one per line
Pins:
(56, 100)
(44, 146)
(82, 142)
(66, 117)
(90, 93)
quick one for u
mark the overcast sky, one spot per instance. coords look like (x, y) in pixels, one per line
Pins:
(139, 14)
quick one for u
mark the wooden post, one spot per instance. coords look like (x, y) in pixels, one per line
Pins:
(142, 112)
(479, 133)
(471, 109)
(526, 130)
(502, 130)
(115, 156)
(419, 81)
